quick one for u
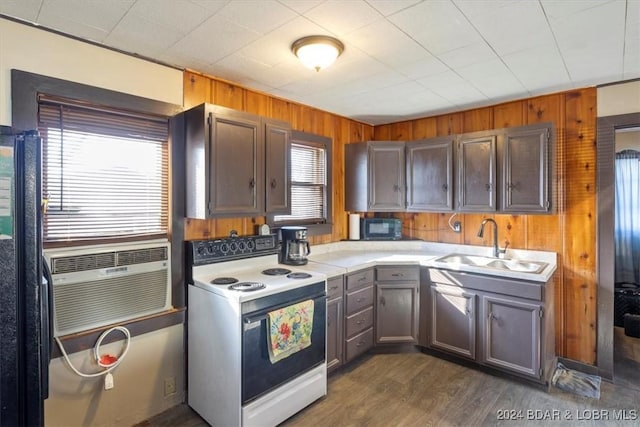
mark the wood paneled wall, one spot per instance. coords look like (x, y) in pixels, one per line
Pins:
(570, 231)
(199, 88)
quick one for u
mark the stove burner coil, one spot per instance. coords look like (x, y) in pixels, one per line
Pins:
(298, 275)
(247, 286)
(276, 271)
(224, 281)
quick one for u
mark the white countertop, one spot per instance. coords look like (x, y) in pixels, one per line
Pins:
(357, 255)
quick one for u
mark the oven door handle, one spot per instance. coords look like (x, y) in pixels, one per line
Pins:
(254, 321)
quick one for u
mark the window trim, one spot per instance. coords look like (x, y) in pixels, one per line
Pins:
(310, 139)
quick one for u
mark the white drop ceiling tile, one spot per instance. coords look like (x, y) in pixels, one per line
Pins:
(212, 6)
(342, 17)
(77, 29)
(100, 14)
(538, 68)
(23, 9)
(182, 15)
(260, 16)
(138, 35)
(490, 76)
(507, 34)
(558, 9)
(214, 39)
(389, 7)
(472, 8)
(592, 26)
(445, 79)
(467, 55)
(301, 6)
(592, 65)
(386, 42)
(438, 26)
(423, 67)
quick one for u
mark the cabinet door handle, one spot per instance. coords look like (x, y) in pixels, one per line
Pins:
(360, 322)
(362, 279)
(397, 275)
(274, 183)
(360, 300)
(492, 316)
(382, 301)
(252, 183)
(333, 288)
(360, 343)
(487, 187)
(445, 187)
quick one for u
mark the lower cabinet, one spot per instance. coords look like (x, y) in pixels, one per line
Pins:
(397, 304)
(453, 322)
(511, 335)
(494, 321)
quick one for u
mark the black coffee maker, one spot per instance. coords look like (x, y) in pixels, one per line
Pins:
(294, 247)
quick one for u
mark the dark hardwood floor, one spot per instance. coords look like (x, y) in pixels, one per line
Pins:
(416, 389)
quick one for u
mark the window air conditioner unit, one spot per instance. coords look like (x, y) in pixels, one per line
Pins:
(101, 285)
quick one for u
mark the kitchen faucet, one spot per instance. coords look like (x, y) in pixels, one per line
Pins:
(496, 251)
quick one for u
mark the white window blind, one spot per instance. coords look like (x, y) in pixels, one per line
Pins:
(105, 172)
(308, 185)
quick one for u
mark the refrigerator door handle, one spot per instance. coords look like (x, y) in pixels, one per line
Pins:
(47, 324)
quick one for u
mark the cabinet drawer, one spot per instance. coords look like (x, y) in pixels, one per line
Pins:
(359, 279)
(334, 287)
(359, 321)
(397, 274)
(359, 300)
(359, 344)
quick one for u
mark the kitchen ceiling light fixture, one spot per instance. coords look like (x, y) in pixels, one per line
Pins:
(317, 52)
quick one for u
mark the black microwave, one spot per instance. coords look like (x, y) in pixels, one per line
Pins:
(380, 229)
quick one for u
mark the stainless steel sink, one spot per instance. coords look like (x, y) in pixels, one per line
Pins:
(494, 263)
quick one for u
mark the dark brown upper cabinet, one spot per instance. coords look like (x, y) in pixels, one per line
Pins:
(526, 183)
(277, 137)
(375, 176)
(501, 170)
(237, 163)
(429, 166)
(477, 172)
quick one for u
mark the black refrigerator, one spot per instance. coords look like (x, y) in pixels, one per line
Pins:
(24, 297)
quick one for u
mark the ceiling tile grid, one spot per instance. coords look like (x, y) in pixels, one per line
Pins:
(403, 58)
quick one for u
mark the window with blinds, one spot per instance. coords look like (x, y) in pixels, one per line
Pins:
(308, 185)
(105, 172)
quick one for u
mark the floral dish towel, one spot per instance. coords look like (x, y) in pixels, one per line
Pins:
(289, 330)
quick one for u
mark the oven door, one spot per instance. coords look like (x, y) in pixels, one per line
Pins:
(259, 375)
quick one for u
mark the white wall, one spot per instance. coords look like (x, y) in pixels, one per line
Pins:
(138, 391)
(29, 49)
(620, 98)
(139, 381)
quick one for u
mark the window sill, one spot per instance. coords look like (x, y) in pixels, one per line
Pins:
(86, 340)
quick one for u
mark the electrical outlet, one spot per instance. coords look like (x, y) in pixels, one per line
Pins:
(457, 226)
(169, 386)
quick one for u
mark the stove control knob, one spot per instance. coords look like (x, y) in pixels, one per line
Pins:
(233, 246)
(210, 249)
(242, 245)
(201, 250)
(224, 248)
(251, 245)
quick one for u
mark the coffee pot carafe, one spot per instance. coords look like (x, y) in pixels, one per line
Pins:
(294, 247)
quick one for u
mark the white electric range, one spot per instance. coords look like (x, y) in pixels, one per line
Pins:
(233, 284)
